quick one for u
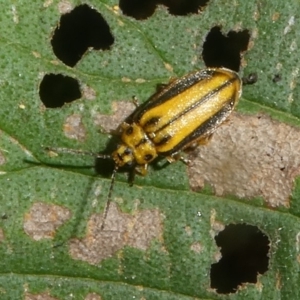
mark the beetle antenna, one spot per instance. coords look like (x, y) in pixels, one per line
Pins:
(106, 209)
(76, 151)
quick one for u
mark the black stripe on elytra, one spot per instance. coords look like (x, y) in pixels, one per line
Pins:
(152, 121)
(204, 129)
(205, 98)
(185, 83)
(164, 140)
(173, 89)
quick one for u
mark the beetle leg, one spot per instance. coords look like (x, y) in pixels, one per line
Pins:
(162, 86)
(131, 176)
(171, 80)
(135, 101)
(142, 169)
(171, 159)
(124, 126)
(194, 144)
(205, 140)
(185, 160)
(176, 157)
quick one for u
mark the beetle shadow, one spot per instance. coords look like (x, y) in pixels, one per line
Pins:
(57, 165)
(105, 166)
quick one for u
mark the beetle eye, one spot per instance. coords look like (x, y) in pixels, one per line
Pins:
(127, 151)
(148, 157)
(129, 130)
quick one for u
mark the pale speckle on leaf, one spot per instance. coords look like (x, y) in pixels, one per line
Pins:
(93, 296)
(41, 296)
(2, 236)
(291, 23)
(65, 6)
(47, 3)
(196, 247)
(2, 158)
(87, 92)
(15, 14)
(140, 80)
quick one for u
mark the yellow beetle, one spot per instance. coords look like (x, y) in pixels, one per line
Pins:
(184, 112)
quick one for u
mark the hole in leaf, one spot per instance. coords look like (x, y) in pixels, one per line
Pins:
(141, 10)
(78, 30)
(56, 90)
(276, 78)
(138, 9)
(244, 250)
(184, 7)
(225, 51)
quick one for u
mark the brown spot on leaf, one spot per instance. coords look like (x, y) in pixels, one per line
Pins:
(2, 236)
(249, 156)
(278, 281)
(146, 226)
(74, 129)
(88, 93)
(43, 219)
(259, 286)
(36, 54)
(216, 226)
(121, 110)
(125, 79)
(2, 158)
(140, 80)
(275, 16)
(92, 296)
(42, 296)
(188, 230)
(65, 7)
(298, 242)
(120, 229)
(217, 256)
(15, 14)
(196, 247)
(169, 67)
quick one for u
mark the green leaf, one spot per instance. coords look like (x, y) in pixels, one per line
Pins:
(160, 243)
